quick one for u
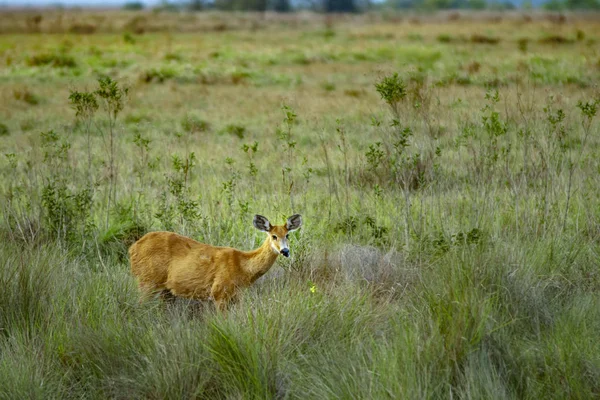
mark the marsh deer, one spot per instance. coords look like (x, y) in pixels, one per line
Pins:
(168, 262)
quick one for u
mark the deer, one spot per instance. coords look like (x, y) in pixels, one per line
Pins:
(176, 265)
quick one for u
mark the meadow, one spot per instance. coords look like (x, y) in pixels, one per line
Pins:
(446, 167)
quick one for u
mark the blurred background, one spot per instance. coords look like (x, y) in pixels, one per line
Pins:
(330, 6)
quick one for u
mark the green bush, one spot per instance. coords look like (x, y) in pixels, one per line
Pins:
(4, 131)
(56, 60)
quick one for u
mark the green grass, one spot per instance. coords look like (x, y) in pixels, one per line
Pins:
(450, 245)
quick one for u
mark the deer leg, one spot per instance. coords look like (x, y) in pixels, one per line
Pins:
(167, 295)
(149, 291)
(222, 294)
(146, 291)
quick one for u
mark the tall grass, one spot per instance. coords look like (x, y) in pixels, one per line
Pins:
(468, 325)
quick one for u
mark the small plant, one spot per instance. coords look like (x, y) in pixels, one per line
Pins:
(421, 95)
(307, 174)
(401, 167)
(4, 131)
(55, 152)
(250, 151)
(238, 77)
(588, 112)
(176, 201)
(474, 236)
(378, 233)
(329, 33)
(136, 24)
(353, 92)
(288, 145)
(442, 244)
(85, 105)
(67, 211)
(82, 28)
(229, 186)
(351, 225)
(194, 124)
(236, 130)
(495, 128)
(112, 96)
(27, 96)
(343, 147)
(484, 39)
(415, 37)
(173, 57)
(128, 38)
(56, 60)
(444, 38)
(328, 86)
(159, 75)
(523, 44)
(143, 145)
(374, 156)
(347, 226)
(556, 39)
(12, 160)
(392, 90)
(403, 136)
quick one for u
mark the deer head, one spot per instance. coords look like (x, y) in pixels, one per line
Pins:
(278, 234)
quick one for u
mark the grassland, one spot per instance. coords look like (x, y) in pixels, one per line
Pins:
(451, 246)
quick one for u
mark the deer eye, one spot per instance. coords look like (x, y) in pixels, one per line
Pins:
(274, 237)
(287, 236)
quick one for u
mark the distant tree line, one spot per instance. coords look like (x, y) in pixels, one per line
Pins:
(559, 5)
(282, 5)
(351, 6)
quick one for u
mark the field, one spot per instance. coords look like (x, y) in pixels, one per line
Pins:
(446, 167)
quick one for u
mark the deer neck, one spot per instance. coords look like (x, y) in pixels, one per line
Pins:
(259, 261)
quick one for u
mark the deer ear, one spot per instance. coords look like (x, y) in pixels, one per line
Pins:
(261, 223)
(294, 222)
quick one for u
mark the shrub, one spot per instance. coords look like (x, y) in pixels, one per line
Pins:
(26, 96)
(484, 39)
(194, 124)
(128, 38)
(353, 92)
(122, 233)
(473, 67)
(136, 25)
(4, 131)
(556, 39)
(82, 29)
(238, 77)
(444, 38)
(173, 57)
(328, 86)
(235, 130)
(157, 75)
(523, 44)
(28, 124)
(392, 90)
(56, 60)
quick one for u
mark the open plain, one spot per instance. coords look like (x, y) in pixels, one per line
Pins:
(446, 168)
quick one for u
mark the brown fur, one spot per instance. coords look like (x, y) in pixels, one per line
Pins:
(187, 268)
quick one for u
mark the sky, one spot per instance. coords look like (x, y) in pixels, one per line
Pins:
(88, 3)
